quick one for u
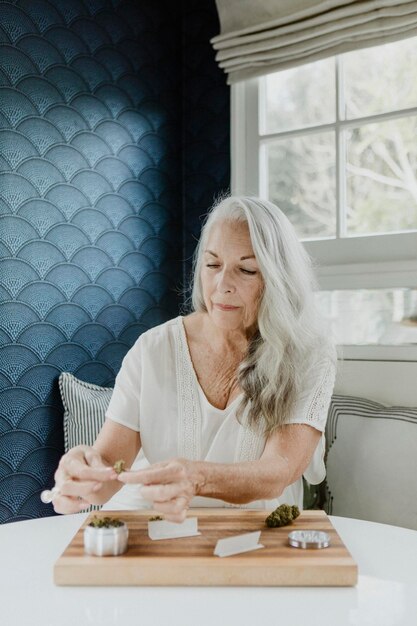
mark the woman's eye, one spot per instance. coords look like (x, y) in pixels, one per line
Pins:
(242, 269)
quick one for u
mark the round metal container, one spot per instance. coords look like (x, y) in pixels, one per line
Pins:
(309, 539)
(105, 541)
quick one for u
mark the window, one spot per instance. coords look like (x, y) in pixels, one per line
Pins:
(371, 316)
(333, 144)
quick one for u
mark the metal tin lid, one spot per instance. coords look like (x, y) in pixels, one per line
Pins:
(309, 539)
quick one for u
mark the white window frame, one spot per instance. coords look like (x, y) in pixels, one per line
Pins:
(380, 261)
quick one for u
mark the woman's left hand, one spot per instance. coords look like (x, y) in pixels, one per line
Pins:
(170, 485)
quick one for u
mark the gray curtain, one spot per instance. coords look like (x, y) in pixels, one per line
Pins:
(262, 36)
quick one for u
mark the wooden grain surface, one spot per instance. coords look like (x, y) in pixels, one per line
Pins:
(190, 560)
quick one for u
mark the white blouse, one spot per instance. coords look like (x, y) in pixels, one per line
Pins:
(157, 393)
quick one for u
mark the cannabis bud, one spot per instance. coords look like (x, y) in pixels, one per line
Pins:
(156, 518)
(105, 522)
(119, 466)
(282, 516)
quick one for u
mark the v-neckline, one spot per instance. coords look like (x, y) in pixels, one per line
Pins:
(191, 366)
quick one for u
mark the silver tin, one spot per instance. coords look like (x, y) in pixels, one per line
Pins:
(105, 541)
(309, 539)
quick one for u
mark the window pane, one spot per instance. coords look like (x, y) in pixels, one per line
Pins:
(382, 177)
(302, 182)
(294, 97)
(371, 316)
(381, 79)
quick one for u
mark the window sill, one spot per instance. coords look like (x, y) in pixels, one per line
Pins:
(405, 352)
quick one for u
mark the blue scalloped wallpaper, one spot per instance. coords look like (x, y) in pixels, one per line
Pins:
(114, 140)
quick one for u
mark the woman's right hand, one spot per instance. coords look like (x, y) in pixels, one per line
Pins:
(80, 477)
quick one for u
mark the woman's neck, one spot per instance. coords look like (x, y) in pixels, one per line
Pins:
(224, 340)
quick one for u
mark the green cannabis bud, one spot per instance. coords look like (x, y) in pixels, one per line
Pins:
(119, 466)
(105, 522)
(156, 518)
(282, 516)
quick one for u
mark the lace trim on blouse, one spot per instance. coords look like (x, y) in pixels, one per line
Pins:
(250, 443)
(319, 404)
(189, 409)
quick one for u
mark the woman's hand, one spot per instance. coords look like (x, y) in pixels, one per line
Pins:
(81, 474)
(170, 485)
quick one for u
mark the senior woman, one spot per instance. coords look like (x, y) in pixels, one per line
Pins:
(228, 403)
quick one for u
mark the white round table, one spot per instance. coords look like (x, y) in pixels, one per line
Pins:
(386, 593)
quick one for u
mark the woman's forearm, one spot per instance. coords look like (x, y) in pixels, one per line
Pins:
(114, 442)
(240, 483)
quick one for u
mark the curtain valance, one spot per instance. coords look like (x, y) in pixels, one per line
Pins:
(262, 36)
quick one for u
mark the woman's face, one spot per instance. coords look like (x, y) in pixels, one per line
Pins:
(230, 276)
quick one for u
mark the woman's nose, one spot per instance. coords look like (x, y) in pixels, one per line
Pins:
(225, 282)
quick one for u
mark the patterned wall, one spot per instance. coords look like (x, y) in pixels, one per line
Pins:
(92, 203)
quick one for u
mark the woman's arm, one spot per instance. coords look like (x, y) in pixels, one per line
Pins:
(286, 456)
(113, 443)
(172, 484)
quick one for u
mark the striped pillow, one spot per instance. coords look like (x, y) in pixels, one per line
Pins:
(85, 406)
(371, 461)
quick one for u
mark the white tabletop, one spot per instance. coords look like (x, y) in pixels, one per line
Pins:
(386, 594)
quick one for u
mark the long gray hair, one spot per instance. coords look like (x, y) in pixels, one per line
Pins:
(291, 331)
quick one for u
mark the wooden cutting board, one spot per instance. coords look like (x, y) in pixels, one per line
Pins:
(190, 560)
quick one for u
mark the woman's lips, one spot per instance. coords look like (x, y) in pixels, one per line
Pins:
(224, 307)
